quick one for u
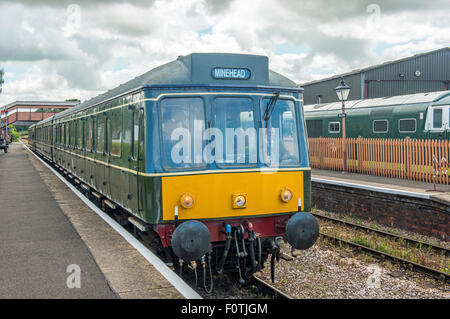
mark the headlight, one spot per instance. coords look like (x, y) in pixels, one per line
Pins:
(239, 200)
(286, 195)
(186, 200)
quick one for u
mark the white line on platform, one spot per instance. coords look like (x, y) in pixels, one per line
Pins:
(168, 273)
(371, 188)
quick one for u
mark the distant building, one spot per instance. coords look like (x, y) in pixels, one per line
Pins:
(421, 73)
(24, 113)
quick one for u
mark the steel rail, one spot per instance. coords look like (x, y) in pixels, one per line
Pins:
(384, 233)
(267, 289)
(439, 275)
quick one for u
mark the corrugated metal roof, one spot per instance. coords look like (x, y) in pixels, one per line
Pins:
(374, 67)
(383, 101)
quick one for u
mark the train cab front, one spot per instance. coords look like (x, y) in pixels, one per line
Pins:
(239, 219)
(233, 156)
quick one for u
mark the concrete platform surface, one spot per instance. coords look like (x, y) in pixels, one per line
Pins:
(38, 244)
(123, 271)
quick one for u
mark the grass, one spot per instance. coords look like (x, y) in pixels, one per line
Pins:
(420, 254)
(363, 241)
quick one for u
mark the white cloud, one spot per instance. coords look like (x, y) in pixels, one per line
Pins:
(118, 40)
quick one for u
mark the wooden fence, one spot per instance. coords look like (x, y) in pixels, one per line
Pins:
(418, 160)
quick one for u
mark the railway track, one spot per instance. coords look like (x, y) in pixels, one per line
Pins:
(267, 289)
(437, 274)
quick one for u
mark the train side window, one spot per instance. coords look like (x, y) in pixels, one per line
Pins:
(108, 136)
(101, 119)
(437, 118)
(334, 127)
(116, 133)
(407, 125)
(380, 126)
(134, 133)
(282, 120)
(94, 133)
(89, 134)
(135, 112)
(70, 134)
(181, 120)
(76, 134)
(83, 134)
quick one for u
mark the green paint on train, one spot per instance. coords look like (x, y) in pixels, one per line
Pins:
(420, 116)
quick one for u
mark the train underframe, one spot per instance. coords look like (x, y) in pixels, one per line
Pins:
(239, 246)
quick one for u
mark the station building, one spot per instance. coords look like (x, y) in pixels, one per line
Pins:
(420, 73)
(22, 114)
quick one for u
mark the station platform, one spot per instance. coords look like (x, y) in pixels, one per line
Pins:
(385, 184)
(45, 229)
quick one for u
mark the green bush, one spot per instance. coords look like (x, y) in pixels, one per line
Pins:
(12, 131)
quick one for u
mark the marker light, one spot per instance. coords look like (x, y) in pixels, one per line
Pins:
(186, 200)
(239, 200)
(286, 195)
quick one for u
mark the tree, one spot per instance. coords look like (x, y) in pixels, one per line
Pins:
(1, 79)
(13, 132)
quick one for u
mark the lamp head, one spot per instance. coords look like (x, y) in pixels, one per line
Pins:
(342, 90)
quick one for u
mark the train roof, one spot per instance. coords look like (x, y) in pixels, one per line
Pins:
(418, 98)
(198, 69)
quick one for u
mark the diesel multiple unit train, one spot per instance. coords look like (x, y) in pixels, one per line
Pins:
(420, 116)
(206, 154)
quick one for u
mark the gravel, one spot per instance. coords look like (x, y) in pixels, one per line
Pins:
(326, 271)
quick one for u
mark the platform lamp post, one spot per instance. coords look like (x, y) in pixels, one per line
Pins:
(342, 91)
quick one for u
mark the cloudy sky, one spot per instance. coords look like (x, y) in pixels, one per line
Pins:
(56, 50)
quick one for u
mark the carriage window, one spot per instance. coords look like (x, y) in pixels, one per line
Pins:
(437, 118)
(234, 119)
(134, 134)
(281, 133)
(407, 125)
(182, 119)
(75, 134)
(89, 135)
(380, 126)
(101, 119)
(116, 133)
(334, 127)
(83, 134)
(79, 141)
(70, 134)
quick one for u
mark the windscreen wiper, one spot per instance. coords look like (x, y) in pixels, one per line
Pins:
(270, 107)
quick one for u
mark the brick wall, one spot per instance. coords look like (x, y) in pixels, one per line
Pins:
(426, 217)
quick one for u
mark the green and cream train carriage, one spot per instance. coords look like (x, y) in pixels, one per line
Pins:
(421, 116)
(124, 145)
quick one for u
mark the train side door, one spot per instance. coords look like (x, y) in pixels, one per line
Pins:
(108, 145)
(135, 118)
(435, 123)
